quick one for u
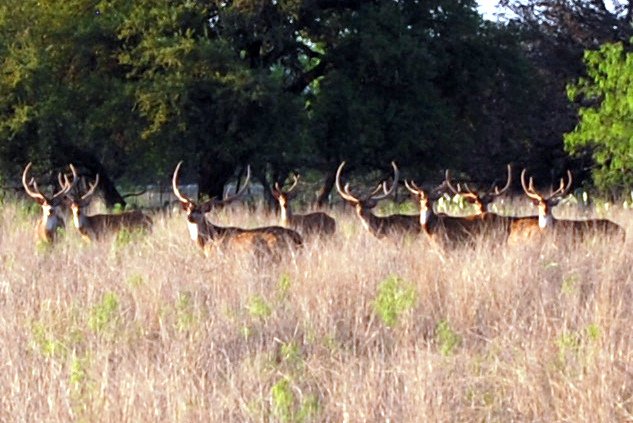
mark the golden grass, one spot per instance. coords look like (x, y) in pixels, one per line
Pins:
(144, 328)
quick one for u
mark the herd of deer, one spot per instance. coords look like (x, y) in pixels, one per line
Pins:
(441, 229)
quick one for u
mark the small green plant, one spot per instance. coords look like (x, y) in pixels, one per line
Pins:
(446, 338)
(283, 400)
(127, 236)
(283, 286)
(136, 280)
(394, 298)
(568, 344)
(569, 284)
(104, 314)
(291, 353)
(185, 317)
(287, 407)
(48, 344)
(593, 332)
(258, 307)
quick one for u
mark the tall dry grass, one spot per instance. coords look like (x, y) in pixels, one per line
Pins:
(352, 329)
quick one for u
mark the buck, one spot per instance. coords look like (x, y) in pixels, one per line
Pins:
(316, 223)
(97, 226)
(51, 220)
(480, 199)
(379, 226)
(578, 229)
(505, 225)
(263, 241)
(440, 227)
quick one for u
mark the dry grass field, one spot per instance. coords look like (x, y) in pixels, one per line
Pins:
(142, 327)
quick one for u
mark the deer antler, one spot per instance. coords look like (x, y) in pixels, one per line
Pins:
(174, 184)
(559, 192)
(238, 193)
(35, 194)
(344, 192)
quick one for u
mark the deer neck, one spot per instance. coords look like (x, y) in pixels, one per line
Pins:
(80, 220)
(426, 215)
(50, 219)
(286, 215)
(201, 232)
(545, 220)
(545, 217)
(370, 221)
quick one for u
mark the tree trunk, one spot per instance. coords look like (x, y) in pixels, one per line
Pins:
(324, 193)
(212, 176)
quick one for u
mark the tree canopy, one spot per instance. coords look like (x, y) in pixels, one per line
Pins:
(127, 89)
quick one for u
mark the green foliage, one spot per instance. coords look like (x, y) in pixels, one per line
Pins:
(135, 280)
(605, 130)
(446, 338)
(138, 85)
(283, 286)
(394, 298)
(104, 315)
(282, 400)
(286, 406)
(185, 315)
(258, 307)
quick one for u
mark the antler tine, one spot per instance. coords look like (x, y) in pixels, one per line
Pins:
(381, 186)
(562, 188)
(60, 180)
(174, 185)
(387, 193)
(343, 192)
(36, 194)
(413, 188)
(92, 188)
(447, 178)
(498, 191)
(529, 190)
(295, 178)
(238, 193)
(65, 184)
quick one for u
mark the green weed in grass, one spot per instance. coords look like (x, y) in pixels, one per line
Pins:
(447, 339)
(394, 298)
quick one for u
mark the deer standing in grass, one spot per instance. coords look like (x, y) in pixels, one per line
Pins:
(264, 241)
(547, 223)
(441, 228)
(316, 223)
(379, 226)
(97, 226)
(51, 219)
(505, 225)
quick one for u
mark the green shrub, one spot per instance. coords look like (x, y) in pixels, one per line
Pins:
(394, 298)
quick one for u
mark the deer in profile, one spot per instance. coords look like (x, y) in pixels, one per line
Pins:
(316, 223)
(97, 226)
(379, 226)
(51, 219)
(264, 241)
(547, 223)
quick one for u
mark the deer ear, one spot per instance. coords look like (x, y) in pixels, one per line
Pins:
(535, 201)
